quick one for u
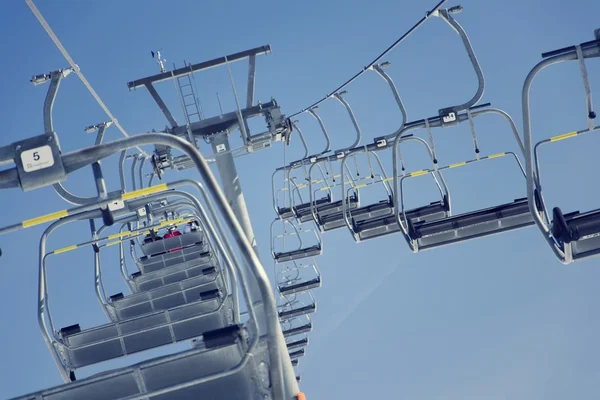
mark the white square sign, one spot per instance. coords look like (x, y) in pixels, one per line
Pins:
(221, 148)
(116, 205)
(36, 159)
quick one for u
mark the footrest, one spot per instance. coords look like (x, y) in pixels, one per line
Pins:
(296, 312)
(95, 345)
(298, 330)
(505, 217)
(300, 287)
(311, 251)
(171, 371)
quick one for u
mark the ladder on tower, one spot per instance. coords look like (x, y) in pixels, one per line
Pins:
(192, 110)
(191, 107)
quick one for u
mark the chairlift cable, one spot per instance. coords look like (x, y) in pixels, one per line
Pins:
(76, 68)
(378, 58)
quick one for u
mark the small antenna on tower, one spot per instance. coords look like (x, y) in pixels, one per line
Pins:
(159, 60)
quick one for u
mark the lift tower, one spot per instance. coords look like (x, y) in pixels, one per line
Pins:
(216, 130)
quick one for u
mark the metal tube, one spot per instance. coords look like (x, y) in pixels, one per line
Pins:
(122, 170)
(472, 57)
(352, 118)
(301, 139)
(141, 171)
(323, 130)
(133, 165)
(55, 77)
(377, 68)
(43, 305)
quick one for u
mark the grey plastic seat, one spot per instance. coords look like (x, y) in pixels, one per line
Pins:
(388, 224)
(580, 230)
(300, 287)
(166, 245)
(91, 346)
(304, 213)
(298, 254)
(297, 354)
(297, 344)
(164, 260)
(162, 298)
(285, 315)
(298, 330)
(489, 221)
(302, 209)
(200, 267)
(335, 220)
(221, 351)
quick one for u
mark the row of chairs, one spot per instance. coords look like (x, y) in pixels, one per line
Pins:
(182, 297)
(321, 189)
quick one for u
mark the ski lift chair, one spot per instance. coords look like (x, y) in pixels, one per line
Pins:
(297, 326)
(297, 278)
(424, 235)
(296, 305)
(301, 234)
(133, 330)
(378, 219)
(574, 235)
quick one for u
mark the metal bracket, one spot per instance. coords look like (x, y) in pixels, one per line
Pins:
(448, 116)
(38, 162)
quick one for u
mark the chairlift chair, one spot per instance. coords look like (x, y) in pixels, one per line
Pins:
(300, 233)
(378, 219)
(296, 278)
(296, 305)
(573, 235)
(424, 235)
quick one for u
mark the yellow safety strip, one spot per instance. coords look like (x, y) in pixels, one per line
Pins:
(65, 249)
(458, 164)
(563, 136)
(419, 173)
(119, 235)
(172, 221)
(362, 185)
(496, 155)
(144, 192)
(112, 243)
(44, 218)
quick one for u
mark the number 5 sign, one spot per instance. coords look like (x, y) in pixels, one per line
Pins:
(36, 159)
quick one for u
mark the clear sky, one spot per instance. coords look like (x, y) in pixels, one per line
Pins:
(495, 318)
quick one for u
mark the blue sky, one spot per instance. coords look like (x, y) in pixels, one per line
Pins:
(496, 318)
